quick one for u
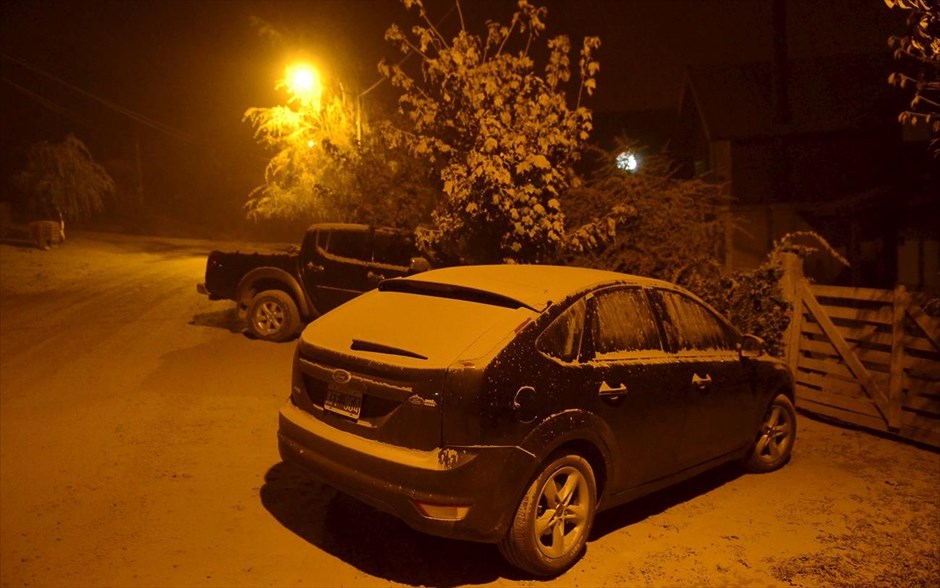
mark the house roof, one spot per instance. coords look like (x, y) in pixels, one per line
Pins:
(825, 94)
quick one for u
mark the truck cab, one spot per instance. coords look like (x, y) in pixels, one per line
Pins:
(340, 261)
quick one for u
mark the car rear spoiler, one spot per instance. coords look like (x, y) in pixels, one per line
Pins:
(426, 288)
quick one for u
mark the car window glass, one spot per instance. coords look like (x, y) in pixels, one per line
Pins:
(323, 237)
(624, 323)
(310, 240)
(393, 249)
(562, 338)
(696, 327)
(351, 244)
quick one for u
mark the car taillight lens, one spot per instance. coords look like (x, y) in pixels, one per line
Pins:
(213, 261)
(445, 512)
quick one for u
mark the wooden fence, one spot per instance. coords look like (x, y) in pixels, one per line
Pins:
(864, 356)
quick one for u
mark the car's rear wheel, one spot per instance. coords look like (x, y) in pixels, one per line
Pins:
(774, 443)
(273, 316)
(552, 523)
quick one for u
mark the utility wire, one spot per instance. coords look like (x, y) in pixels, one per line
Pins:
(145, 120)
(49, 104)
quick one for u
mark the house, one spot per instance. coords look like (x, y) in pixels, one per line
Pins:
(815, 145)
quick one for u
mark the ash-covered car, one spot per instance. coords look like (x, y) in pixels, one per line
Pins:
(509, 404)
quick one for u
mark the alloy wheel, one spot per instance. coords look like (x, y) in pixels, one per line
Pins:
(776, 434)
(269, 318)
(562, 515)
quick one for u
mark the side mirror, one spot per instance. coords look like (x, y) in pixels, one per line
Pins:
(418, 265)
(751, 346)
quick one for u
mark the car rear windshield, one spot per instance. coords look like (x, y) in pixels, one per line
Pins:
(410, 329)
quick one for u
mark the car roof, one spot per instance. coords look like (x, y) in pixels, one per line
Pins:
(534, 286)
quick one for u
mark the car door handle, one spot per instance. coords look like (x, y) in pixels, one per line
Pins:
(375, 277)
(314, 267)
(608, 393)
(702, 383)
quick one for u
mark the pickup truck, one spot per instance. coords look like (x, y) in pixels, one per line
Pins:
(278, 292)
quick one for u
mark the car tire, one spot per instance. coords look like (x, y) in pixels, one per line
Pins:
(273, 316)
(552, 522)
(774, 441)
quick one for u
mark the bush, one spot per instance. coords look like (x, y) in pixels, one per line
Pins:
(752, 300)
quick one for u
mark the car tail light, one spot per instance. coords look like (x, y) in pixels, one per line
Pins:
(445, 512)
(213, 261)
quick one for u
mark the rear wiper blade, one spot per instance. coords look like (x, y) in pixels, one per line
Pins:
(360, 345)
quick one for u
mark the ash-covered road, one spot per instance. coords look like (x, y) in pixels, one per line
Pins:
(138, 448)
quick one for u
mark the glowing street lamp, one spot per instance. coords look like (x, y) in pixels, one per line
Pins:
(628, 162)
(303, 81)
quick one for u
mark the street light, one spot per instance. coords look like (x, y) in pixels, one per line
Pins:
(628, 162)
(303, 81)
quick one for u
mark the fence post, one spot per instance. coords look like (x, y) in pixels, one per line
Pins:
(895, 384)
(790, 285)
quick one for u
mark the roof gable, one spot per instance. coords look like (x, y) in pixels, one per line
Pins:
(825, 94)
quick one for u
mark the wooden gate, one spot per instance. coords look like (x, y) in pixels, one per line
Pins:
(868, 357)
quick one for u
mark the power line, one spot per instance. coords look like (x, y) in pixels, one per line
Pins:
(140, 118)
(49, 104)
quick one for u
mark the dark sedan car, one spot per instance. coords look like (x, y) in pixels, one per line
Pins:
(509, 404)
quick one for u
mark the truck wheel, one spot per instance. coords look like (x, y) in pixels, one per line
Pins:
(552, 523)
(273, 316)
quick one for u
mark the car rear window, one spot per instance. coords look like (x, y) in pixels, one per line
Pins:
(402, 327)
(562, 338)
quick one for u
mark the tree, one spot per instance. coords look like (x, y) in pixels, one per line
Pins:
(63, 179)
(327, 166)
(666, 226)
(499, 133)
(918, 55)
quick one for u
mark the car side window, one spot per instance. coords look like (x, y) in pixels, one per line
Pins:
(562, 338)
(695, 327)
(623, 323)
(350, 244)
(393, 248)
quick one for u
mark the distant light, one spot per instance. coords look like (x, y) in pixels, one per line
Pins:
(627, 161)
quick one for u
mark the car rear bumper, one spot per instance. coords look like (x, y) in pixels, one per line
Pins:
(202, 289)
(490, 480)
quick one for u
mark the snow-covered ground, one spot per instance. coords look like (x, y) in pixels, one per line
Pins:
(138, 448)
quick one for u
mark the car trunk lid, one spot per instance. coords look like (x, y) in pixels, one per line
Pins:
(378, 365)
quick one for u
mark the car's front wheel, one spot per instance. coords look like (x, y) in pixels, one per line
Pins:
(273, 316)
(552, 523)
(774, 443)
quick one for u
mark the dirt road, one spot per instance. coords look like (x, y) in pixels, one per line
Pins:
(137, 448)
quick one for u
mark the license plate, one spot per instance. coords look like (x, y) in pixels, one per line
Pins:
(344, 402)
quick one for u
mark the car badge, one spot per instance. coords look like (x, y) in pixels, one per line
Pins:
(341, 376)
(418, 401)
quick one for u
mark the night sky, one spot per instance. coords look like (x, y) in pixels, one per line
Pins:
(193, 67)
